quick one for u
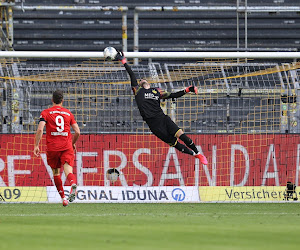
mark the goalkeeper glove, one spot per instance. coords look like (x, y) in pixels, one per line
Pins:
(121, 57)
(191, 89)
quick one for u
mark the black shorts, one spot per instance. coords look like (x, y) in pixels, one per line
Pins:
(164, 128)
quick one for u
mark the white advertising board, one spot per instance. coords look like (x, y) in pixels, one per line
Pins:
(97, 194)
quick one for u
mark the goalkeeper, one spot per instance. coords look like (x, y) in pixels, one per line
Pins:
(161, 125)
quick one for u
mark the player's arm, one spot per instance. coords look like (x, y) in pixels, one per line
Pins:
(121, 57)
(167, 95)
(38, 137)
(76, 134)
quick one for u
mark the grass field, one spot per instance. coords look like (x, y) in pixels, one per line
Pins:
(150, 226)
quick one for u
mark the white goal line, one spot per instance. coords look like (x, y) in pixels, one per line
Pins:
(147, 55)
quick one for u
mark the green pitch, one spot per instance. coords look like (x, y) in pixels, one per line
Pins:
(150, 226)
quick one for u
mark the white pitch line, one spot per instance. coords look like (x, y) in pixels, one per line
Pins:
(140, 214)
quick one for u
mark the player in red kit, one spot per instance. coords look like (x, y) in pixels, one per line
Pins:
(60, 143)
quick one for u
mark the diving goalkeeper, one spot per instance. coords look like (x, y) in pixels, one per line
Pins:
(161, 125)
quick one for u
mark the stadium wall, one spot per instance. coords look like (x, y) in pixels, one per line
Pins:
(234, 160)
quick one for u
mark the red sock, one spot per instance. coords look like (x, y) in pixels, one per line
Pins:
(71, 178)
(59, 186)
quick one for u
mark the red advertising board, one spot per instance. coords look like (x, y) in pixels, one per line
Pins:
(143, 160)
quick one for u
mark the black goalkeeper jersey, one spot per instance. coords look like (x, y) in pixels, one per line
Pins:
(148, 101)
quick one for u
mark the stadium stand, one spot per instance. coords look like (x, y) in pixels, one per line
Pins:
(66, 30)
(158, 30)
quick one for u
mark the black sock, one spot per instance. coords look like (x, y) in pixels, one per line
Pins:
(183, 148)
(188, 141)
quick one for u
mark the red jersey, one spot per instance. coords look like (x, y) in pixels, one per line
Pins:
(58, 128)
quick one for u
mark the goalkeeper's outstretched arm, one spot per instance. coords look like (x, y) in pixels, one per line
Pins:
(180, 93)
(134, 84)
(120, 56)
(132, 75)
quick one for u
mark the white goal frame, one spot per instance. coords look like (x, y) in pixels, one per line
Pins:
(151, 55)
(202, 174)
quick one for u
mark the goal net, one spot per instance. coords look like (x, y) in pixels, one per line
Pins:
(245, 120)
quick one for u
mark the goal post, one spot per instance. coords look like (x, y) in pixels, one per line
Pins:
(245, 120)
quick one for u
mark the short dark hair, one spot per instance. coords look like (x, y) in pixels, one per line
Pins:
(58, 96)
